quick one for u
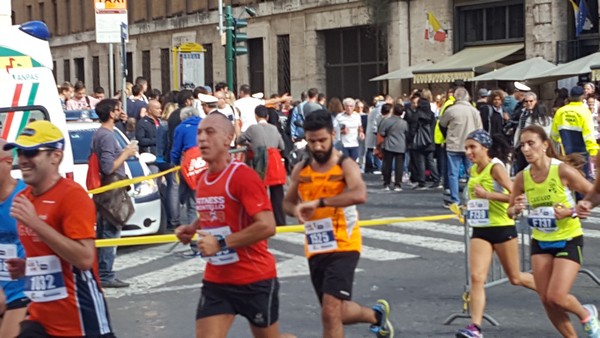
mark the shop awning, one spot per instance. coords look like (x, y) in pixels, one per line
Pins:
(402, 73)
(576, 67)
(519, 71)
(595, 72)
(463, 65)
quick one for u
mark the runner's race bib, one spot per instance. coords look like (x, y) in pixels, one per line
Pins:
(223, 257)
(542, 219)
(478, 212)
(7, 251)
(44, 281)
(319, 235)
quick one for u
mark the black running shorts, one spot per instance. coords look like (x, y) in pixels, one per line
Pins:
(333, 273)
(495, 235)
(571, 250)
(258, 302)
(33, 329)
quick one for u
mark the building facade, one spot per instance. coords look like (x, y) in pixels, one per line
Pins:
(334, 45)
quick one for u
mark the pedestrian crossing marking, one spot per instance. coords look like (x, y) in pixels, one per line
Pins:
(368, 252)
(290, 264)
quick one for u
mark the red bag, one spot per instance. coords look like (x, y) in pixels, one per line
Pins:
(93, 179)
(192, 165)
(275, 173)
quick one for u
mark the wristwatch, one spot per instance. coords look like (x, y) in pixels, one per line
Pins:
(222, 243)
(321, 202)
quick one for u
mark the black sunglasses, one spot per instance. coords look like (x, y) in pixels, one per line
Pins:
(33, 152)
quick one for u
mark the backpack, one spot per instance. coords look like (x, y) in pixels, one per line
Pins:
(93, 179)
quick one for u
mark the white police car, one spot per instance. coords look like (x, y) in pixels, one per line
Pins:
(148, 217)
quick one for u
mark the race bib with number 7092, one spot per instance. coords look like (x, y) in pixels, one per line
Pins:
(44, 281)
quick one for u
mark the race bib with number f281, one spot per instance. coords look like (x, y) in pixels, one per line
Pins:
(319, 235)
(44, 281)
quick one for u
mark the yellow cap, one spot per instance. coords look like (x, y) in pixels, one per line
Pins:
(38, 134)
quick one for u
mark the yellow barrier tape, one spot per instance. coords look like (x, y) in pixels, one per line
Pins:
(161, 239)
(128, 182)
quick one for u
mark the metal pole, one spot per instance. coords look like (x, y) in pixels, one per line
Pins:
(220, 16)
(111, 73)
(124, 74)
(229, 46)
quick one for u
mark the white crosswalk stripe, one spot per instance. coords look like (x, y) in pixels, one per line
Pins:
(367, 253)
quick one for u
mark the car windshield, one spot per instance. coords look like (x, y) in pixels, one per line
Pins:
(81, 142)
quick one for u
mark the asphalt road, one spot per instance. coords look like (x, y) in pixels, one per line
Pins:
(418, 267)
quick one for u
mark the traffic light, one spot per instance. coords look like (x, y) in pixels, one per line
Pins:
(239, 38)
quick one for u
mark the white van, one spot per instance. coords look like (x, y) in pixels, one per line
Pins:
(28, 91)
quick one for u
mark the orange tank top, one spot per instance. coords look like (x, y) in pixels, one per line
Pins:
(344, 234)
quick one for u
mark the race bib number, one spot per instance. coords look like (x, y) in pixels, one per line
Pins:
(223, 257)
(7, 251)
(478, 212)
(44, 281)
(542, 219)
(319, 235)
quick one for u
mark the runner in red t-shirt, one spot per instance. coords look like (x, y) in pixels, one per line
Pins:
(61, 275)
(235, 221)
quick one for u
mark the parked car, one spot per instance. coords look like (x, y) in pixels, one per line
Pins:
(148, 217)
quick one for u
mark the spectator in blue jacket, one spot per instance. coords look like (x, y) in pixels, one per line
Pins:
(184, 138)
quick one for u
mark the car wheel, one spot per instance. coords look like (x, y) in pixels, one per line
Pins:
(162, 229)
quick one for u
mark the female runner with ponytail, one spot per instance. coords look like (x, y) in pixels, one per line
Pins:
(557, 239)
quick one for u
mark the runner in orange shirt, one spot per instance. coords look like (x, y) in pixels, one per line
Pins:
(234, 222)
(323, 194)
(60, 268)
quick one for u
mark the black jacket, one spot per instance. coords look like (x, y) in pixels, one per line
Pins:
(422, 116)
(492, 121)
(145, 133)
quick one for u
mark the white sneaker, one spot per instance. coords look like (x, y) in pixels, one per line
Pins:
(591, 327)
(397, 189)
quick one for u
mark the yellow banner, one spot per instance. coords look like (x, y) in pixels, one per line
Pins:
(110, 4)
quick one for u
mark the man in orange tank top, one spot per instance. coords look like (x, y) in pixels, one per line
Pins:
(234, 222)
(323, 194)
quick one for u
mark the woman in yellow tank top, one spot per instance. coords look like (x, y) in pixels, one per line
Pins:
(557, 238)
(493, 231)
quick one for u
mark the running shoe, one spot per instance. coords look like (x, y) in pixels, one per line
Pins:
(386, 188)
(591, 327)
(385, 329)
(471, 331)
(398, 189)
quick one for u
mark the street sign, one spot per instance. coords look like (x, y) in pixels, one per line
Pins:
(110, 14)
(189, 65)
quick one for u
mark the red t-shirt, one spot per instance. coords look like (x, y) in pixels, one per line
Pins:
(68, 209)
(229, 200)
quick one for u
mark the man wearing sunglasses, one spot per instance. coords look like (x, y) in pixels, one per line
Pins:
(60, 269)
